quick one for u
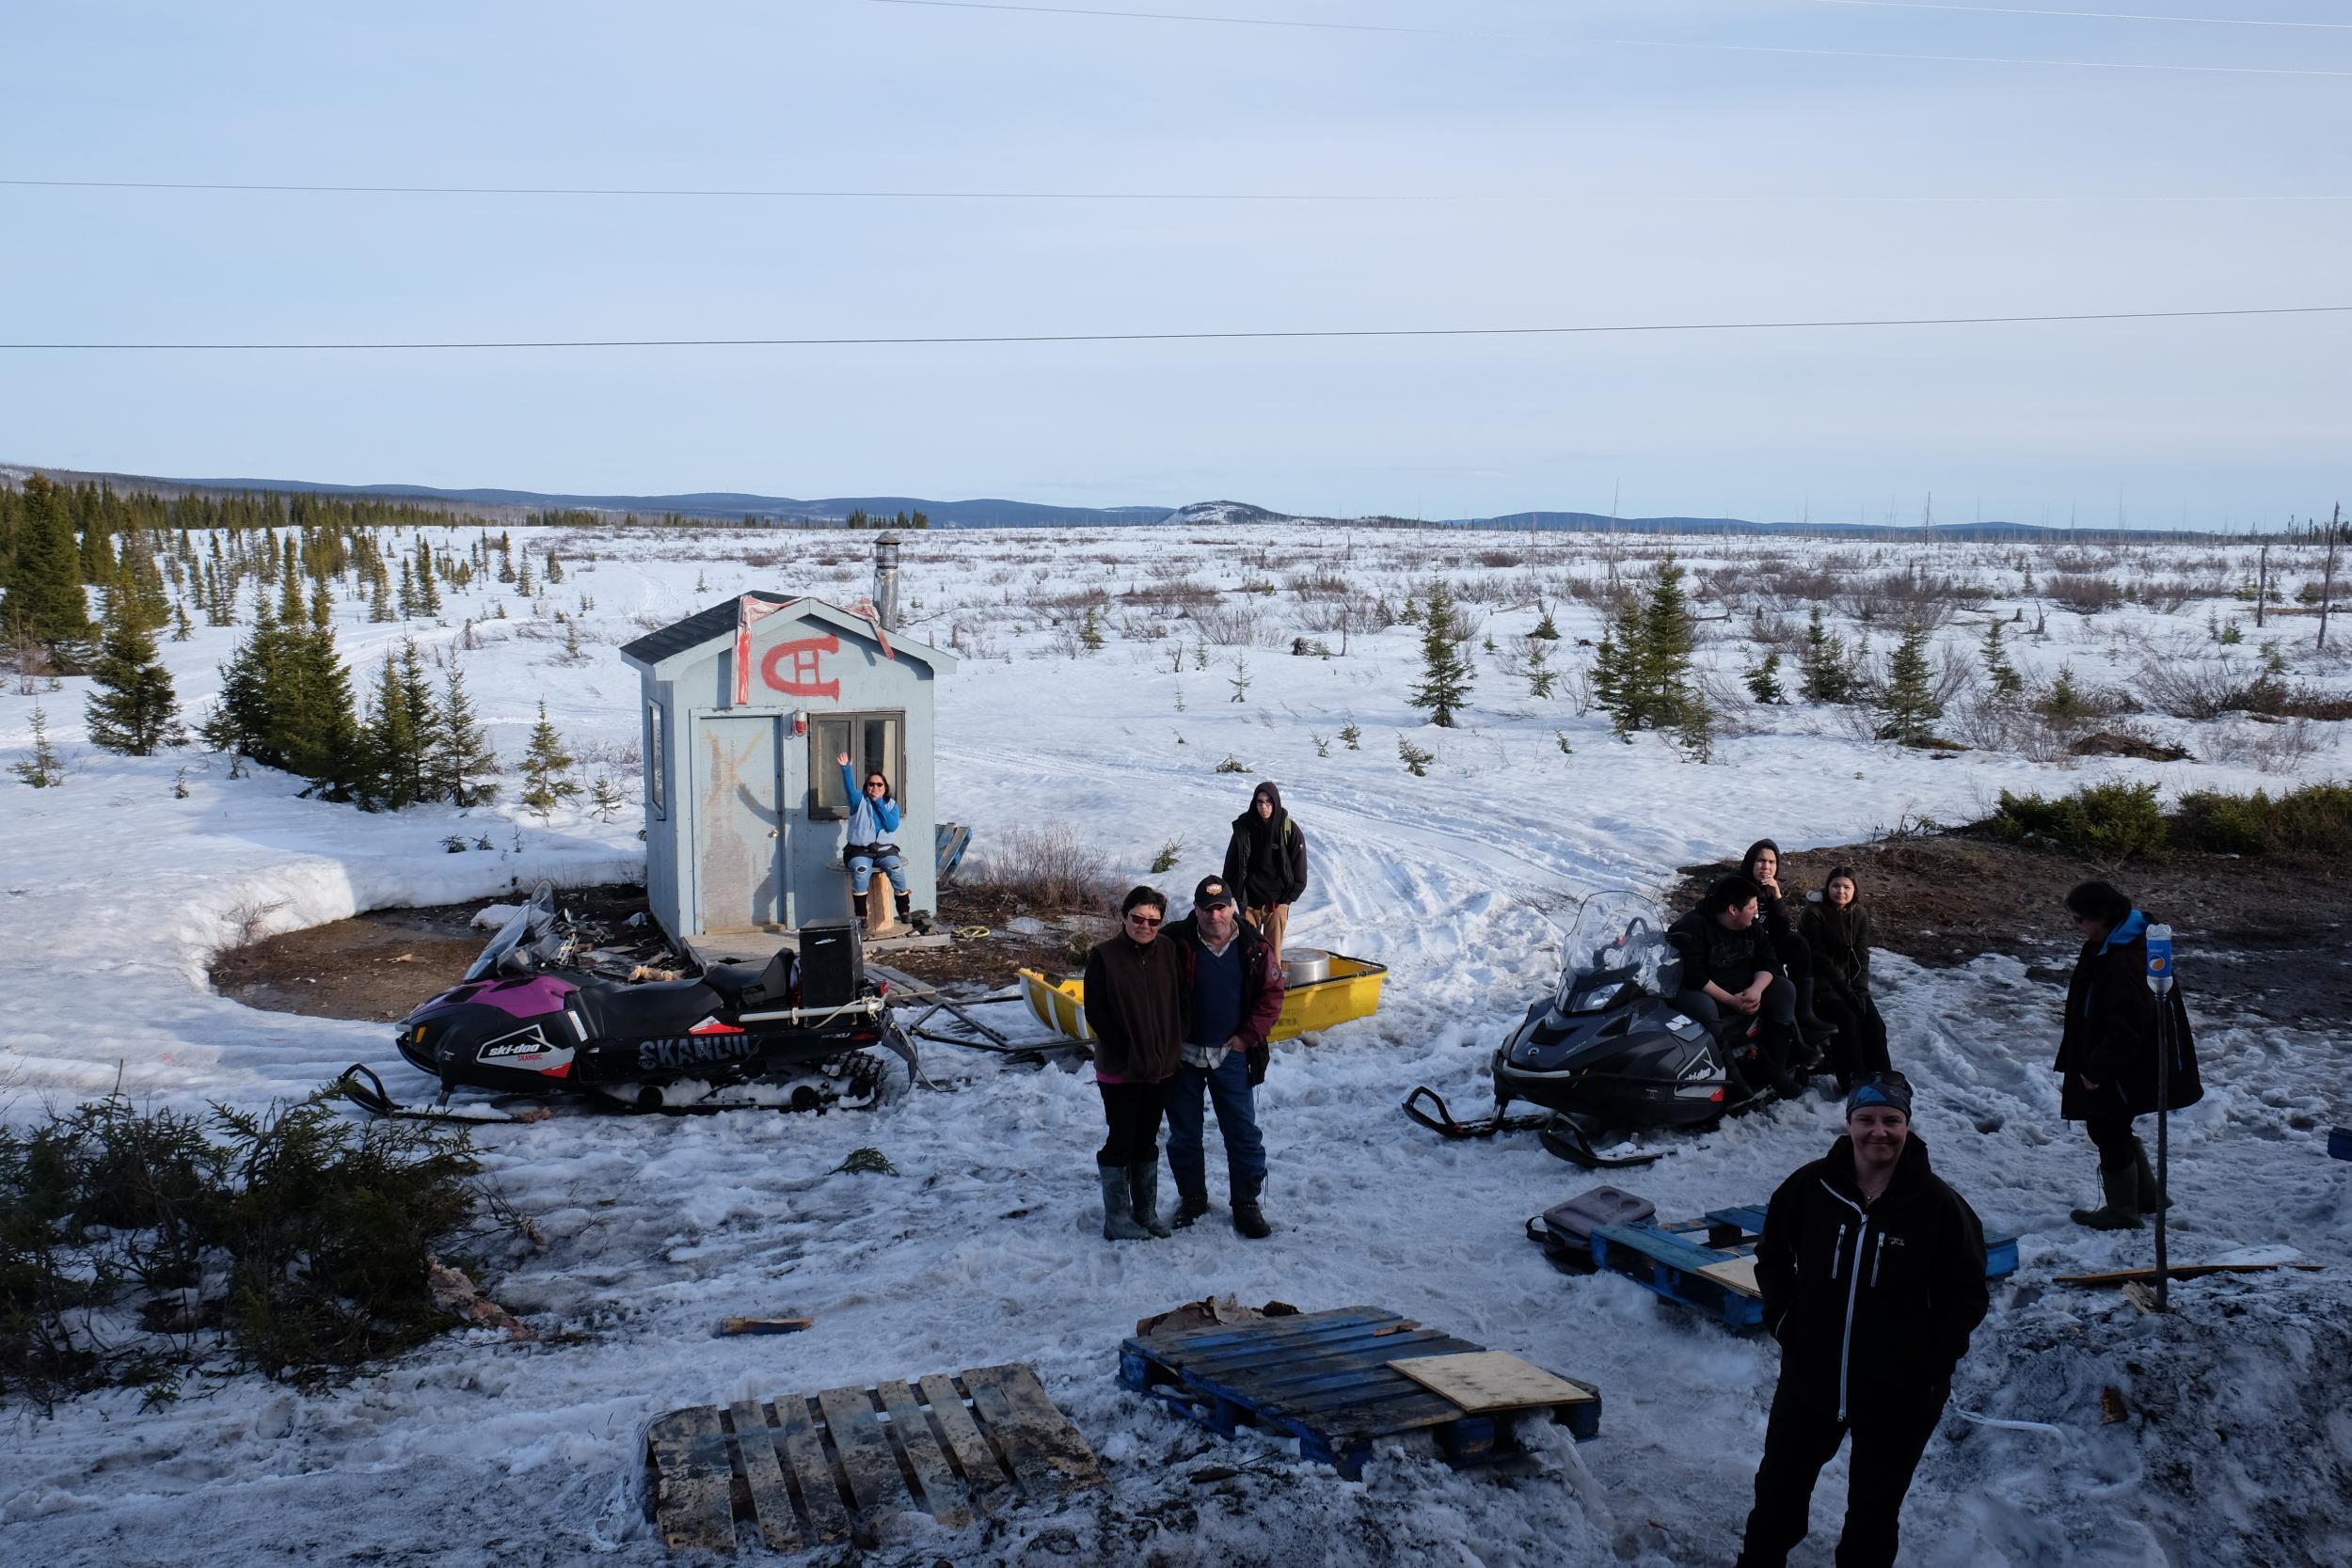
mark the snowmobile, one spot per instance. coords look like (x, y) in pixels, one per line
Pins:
(1606, 1051)
(524, 1020)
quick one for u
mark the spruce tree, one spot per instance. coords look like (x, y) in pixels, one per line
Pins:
(1642, 677)
(133, 709)
(1999, 673)
(428, 589)
(380, 601)
(555, 568)
(42, 770)
(399, 733)
(1764, 680)
(460, 756)
(545, 768)
(605, 798)
(44, 600)
(1827, 675)
(1445, 673)
(1908, 699)
(1547, 628)
(182, 628)
(523, 584)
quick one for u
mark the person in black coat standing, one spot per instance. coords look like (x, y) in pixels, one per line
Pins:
(1265, 864)
(2108, 1053)
(1872, 1272)
(1839, 933)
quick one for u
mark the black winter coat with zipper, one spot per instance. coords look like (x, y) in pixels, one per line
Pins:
(1872, 1303)
(2110, 1037)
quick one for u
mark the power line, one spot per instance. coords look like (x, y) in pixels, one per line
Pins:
(1591, 199)
(1711, 46)
(1582, 197)
(1196, 337)
(2095, 16)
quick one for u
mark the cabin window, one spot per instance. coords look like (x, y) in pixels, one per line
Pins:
(657, 764)
(875, 741)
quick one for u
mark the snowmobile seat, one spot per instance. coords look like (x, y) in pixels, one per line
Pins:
(733, 981)
(647, 1011)
(1575, 1221)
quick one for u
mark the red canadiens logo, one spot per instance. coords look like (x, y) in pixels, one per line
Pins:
(806, 656)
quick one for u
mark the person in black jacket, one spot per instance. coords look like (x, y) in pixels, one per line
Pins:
(1872, 1272)
(1731, 973)
(1265, 864)
(1838, 929)
(2108, 1053)
(1778, 916)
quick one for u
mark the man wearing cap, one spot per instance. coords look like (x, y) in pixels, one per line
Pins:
(1235, 986)
(1872, 1272)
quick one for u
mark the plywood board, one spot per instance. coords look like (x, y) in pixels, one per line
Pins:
(1489, 1380)
(1736, 1274)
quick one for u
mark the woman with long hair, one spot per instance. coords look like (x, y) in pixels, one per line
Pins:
(1838, 931)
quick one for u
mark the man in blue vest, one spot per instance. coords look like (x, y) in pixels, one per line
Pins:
(1235, 987)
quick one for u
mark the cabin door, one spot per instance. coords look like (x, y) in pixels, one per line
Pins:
(739, 844)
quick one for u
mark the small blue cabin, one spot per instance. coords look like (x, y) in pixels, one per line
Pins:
(745, 813)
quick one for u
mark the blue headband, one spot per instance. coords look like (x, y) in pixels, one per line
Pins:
(1877, 1091)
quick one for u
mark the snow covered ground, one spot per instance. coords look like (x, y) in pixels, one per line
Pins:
(984, 1248)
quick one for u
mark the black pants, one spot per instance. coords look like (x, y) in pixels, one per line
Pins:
(1801, 1437)
(1859, 1047)
(1778, 1016)
(1795, 953)
(1132, 1113)
(2113, 1137)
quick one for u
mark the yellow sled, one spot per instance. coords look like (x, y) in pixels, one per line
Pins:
(1352, 991)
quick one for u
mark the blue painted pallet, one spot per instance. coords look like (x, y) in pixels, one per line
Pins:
(2340, 1142)
(1323, 1378)
(950, 839)
(1669, 1258)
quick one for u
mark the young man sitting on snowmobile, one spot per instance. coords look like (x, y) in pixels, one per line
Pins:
(1731, 975)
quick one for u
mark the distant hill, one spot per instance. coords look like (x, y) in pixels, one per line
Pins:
(735, 506)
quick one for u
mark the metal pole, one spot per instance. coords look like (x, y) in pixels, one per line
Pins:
(2160, 979)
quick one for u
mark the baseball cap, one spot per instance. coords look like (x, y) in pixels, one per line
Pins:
(1212, 893)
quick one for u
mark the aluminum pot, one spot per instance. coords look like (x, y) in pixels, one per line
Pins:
(1304, 966)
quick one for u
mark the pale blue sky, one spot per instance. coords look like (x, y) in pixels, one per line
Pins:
(1631, 184)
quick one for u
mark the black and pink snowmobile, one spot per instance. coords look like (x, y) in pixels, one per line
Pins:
(522, 1022)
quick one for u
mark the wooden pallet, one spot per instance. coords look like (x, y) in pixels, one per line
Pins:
(1708, 1264)
(816, 1470)
(1325, 1379)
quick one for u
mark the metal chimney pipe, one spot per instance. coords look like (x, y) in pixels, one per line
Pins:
(886, 581)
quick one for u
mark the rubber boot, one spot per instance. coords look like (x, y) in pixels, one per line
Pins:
(1190, 1206)
(1143, 1183)
(1815, 1029)
(1119, 1207)
(1781, 1047)
(2152, 1195)
(2122, 1187)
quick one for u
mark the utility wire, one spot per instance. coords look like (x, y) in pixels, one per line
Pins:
(1199, 337)
(1582, 197)
(2095, 16)
(1711, 46)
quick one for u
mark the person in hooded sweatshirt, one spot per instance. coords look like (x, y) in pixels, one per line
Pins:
(1872, 1273)
(1266, 865)
(2106, 1058)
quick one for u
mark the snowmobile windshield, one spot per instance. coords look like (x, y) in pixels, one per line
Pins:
(527, 929)
(1614, 948)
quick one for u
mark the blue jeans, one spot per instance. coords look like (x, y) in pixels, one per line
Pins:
(862, 871)
(1229, 1090)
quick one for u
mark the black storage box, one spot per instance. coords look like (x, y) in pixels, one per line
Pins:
(833, 962)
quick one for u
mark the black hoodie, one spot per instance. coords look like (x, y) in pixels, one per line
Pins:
(1265, 863)
(1873, 1304)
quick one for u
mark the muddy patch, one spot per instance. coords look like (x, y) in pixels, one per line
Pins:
(2258, 934)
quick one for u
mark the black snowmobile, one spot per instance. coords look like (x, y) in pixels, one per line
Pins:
(1607, 1052)
(524, 1020)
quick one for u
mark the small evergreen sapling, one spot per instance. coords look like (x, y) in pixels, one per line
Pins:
(1907, 701)
(1999, 673)
(1827, 677)
(546, 766)
(133, 709)
(42, 769)
(1764, 680)
(1415, 758)
(1445, 673)
(605, 798)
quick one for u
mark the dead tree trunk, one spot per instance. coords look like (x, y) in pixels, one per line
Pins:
(2327, 580)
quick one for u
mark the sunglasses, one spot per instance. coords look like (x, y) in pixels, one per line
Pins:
(1144, 919)
(1890, 1080)
(876, 783)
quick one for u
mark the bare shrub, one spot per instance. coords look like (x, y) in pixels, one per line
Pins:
(1237, 625)
(1052, 870)
(2187, 688)
(2270, 748)
(248, 921)
(2081, 593)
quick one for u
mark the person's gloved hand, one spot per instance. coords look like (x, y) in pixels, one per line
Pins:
(1259, 1056)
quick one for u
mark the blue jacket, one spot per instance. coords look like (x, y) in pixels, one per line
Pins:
(870, 822)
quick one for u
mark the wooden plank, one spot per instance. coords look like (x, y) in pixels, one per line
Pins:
(942, 1494)
(692, 1502)
(984, 1475)
(1048, 1456)
(763, 1325)
(2179, 1271)
(866, 1457)
(804, 1453)
(1737, 1273)
(1168, 1342)
(771, 1505)
(1489, 1380)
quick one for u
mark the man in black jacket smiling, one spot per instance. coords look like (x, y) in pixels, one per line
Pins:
(1872, 1272)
